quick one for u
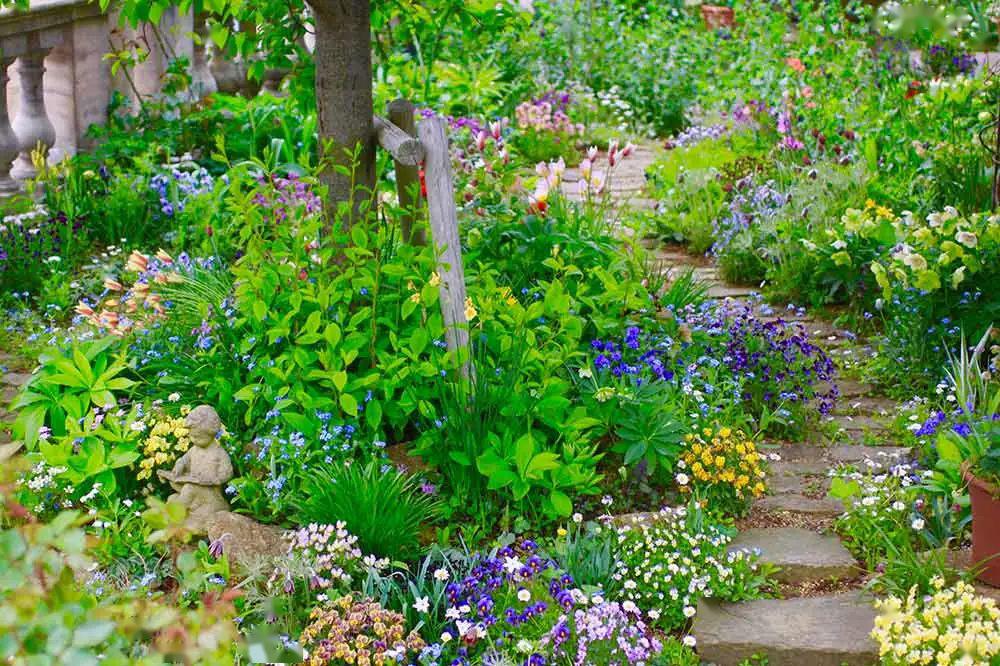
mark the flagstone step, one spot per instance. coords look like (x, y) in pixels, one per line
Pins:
(872, 406)
(859, 423)
(804, 556)
(720, 291)
(856, 453)
(784, 480)
(7, 451)
(848, 388)
(828, 630)
(816, 507)
(16, 379)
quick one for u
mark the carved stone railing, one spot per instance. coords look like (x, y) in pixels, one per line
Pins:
(55, 82)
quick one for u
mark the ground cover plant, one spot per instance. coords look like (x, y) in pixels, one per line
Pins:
(565, 477)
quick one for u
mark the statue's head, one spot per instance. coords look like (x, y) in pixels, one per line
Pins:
(203, 425)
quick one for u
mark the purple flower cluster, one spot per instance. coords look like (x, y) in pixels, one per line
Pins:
(608, 634)
(288, 194)
(30, 239)
(773, 358)
(696, 134)
(750, 204)
(726, 349)
(649, 361)
(557, 99)
(512, 594)
(177, 186)
(474, 125)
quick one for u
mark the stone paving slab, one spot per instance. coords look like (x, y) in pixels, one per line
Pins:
(825, 507)
(881, 407)
(804, 556)
(16, 379)
(859, 423)
(730, 291)
(855, 453)
(8, 450)
(830, 630)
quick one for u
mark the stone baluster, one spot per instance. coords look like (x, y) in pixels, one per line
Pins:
(203, 82)
(31, 124)
(229, 72)
(8, 140)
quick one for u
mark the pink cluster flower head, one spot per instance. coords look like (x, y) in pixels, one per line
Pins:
(542, 116)
(789, 142)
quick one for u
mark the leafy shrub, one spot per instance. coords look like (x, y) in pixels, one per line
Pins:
(68, 383)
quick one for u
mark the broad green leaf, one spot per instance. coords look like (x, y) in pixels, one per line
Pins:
(349, 404)
(561, 502)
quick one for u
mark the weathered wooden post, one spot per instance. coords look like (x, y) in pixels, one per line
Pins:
(444, 232)
(432, 150)
(407, 177)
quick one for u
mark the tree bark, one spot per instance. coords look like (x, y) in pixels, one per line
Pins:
(344, 96)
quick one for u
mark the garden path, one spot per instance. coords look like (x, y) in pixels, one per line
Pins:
(822, 619)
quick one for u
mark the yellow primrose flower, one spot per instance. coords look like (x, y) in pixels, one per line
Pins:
(470, 310)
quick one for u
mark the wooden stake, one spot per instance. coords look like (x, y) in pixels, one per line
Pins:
(407, 177)
(444, 232)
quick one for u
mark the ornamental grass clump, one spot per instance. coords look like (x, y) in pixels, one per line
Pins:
(953, 625)
(665, 565)
(350, 631)
(725, 470)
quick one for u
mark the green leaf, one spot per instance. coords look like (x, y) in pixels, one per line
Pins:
(501, 479)
(332, 334)
(635, 452)
(460, 458)
(841, 488)
(419, 340)
(561, 503)
(542, 462)
(218, 33)
(523, 452)
(339, 379)
(948, 450)
(92, 633)
(359, 237)
(349, 404)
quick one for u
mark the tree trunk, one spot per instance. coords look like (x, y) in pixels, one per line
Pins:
(344, 95)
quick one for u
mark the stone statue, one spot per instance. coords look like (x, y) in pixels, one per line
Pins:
(199, 475)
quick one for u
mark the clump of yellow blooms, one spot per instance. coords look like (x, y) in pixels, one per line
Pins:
(346, 631)
(725, 468)
(952, 626)
(166, 440)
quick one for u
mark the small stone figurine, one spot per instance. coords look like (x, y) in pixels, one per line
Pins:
(199, 474)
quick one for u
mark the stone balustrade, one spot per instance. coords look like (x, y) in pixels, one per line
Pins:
(55, 81)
